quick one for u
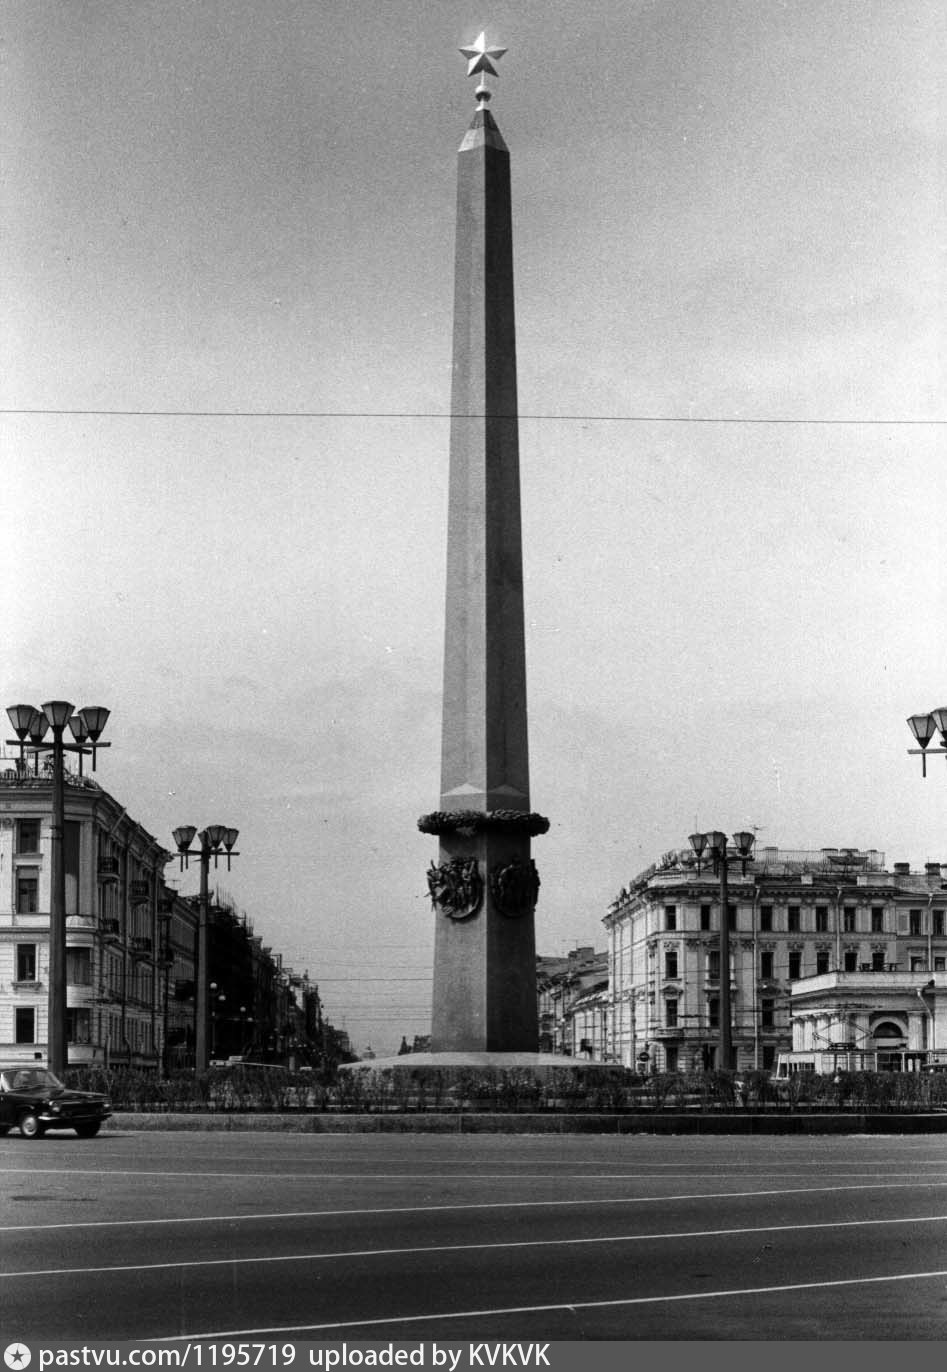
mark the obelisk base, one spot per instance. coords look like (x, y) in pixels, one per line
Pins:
(484, 893)
(541, 1063)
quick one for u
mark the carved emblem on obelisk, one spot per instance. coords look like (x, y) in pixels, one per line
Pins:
(515, 888)
(456, 887)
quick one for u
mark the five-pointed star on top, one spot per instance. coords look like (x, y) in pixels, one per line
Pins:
(481, 58)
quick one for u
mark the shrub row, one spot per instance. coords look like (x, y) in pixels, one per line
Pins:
(596, 1089)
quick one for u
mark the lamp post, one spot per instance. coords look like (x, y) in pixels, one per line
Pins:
(215, 841)
(31, 727)
(218, 1000)
(717, 845)
(924, 727)
(246, 1030)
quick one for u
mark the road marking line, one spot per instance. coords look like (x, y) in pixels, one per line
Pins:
(464, 1205)
(448, 1176)
(547, 1309)
(468, 1247)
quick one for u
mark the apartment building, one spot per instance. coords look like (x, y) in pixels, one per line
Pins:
(128, 939)
(131, 945)
(572, 995)
(794, 915)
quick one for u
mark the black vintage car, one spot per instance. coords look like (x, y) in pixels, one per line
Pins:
(35, 1100)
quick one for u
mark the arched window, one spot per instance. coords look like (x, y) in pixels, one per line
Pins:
(887, 1029)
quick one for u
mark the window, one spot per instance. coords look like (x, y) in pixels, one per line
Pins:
(792, 920)
(877, 919)
(670, 1058)
(766, 965)
(848, 919)
(670, 916)
(713, 1012)
(70, 857)
(914, 918)
(766, 919)
(821, 961)
(27, 892)
(732, 916)
(918, 964)
(767, 1014)
(79, 1024)
(79, 966)
(670, 1014)
(878, 960)
(705, 917)
(822, 919)
(795, 964)
(937, 923)
(670, 962)
(26, 962)
(769, 1057)
(940, 964)
(850, 959)
(27, 836)
(25, 1024)
(713, 963)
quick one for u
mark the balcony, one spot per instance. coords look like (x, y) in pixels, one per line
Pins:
(108, 869)
(138, 892)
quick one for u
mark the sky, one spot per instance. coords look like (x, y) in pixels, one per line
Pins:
(226, 328)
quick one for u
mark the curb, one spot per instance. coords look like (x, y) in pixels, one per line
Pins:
(857, 1122)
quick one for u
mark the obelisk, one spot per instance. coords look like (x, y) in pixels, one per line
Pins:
(484, 886)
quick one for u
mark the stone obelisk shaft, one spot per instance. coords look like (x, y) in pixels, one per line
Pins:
(484, 970)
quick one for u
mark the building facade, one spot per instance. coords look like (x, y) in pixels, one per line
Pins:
(572, 997)
(127, 937)
(131, 946)
(882, 1021)
(793, 916)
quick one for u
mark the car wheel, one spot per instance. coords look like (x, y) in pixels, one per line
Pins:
(30, 1126)
(88, 1131)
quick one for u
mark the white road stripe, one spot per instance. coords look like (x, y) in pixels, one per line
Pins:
(467, 1247)
(689, 1172)
(477, 1205)
(547, 1309)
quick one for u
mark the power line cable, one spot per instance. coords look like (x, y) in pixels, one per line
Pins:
(420, 414)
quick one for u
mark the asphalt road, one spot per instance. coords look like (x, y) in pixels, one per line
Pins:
(410, 1237)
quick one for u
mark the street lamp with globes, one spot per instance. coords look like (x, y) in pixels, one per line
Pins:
(924, 727)
(216, 841)
(31, 727)
(716, 843)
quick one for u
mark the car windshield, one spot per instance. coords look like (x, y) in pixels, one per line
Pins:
(30, 1079)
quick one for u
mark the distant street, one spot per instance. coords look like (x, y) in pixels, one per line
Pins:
(148, 1236)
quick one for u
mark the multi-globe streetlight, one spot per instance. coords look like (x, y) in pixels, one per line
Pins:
(215, 841)
(31, 727)
(716, 843)
(924, 727)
